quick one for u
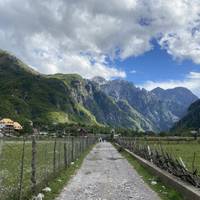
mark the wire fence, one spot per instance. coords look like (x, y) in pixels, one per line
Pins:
(28, 164)
(168, 161)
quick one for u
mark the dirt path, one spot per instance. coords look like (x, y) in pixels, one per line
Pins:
(106, 175)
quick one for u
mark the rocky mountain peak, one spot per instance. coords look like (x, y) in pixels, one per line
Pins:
(99, 80)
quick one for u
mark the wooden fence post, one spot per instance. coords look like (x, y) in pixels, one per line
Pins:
(54, 156)
(33, 165)
(21, 170)
(65, 153)
(46, 166)
(193, 162)
(72, 153)
(80, 152)
(81, 144)
(59, 156)
(68, 151)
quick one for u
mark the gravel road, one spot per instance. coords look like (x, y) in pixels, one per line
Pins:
(106, 175)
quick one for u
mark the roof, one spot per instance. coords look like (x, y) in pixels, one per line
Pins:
(7, 121)
(17, 126)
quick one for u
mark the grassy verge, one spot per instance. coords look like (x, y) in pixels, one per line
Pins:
(185, 150)
(164, 191)
(63, 178)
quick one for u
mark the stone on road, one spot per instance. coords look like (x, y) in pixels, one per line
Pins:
(106, 175)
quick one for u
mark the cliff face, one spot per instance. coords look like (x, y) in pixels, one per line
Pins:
(161, 107)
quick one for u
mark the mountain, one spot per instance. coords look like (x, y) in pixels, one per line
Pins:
(99, 80)
(60, 98)
(191, 120)
(28, 95)
(161, 107)
(102, 107)
(181, 98)
(68, 98)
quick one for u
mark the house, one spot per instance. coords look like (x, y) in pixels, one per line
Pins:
(17, 126)
(8, 126)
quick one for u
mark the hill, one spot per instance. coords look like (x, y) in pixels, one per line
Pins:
(28, 95)
(191, 120)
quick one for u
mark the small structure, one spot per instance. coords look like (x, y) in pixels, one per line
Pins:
(17, 126)
(194, 133)
(83, 132)
(8, 126)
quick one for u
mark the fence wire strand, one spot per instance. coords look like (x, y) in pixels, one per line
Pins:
(27, 165)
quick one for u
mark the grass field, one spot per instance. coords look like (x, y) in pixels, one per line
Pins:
(11, 162)
(188, 151)
(11, 156)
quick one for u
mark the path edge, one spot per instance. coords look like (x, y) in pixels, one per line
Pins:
(189, 192)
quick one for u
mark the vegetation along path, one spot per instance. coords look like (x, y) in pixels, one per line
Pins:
(106, 175)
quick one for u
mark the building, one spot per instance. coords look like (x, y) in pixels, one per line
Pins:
(8, 126)
(83, 132)
(17, 126)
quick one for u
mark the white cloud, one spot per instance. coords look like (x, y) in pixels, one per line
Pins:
(132, 71)
(81, 36)
(191, 81)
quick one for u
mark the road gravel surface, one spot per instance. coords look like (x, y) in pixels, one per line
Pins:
(106, 175)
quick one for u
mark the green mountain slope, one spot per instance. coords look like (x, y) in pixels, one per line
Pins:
(191, 120)
(26, 94)
(61, 98)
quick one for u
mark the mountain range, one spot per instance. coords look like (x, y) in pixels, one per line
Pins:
(68, 98)
(161, 107)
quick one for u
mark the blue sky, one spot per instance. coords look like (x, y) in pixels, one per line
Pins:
(159, 40)
(156, 65)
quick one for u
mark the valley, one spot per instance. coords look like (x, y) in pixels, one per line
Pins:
(68, 98)
(99, 100)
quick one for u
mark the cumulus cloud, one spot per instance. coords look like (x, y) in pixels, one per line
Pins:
(191, 81)
(87, 36)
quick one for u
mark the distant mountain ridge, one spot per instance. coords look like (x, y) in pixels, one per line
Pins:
(161, 107)
(68, 98)
(180, 95)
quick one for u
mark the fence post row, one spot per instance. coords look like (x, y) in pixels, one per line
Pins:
(162, 159)
(57, 154)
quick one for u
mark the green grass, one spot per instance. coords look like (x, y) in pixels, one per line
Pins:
(58, 184)
(59, 117)
(165, 192)
(182, 149)
(10, 162)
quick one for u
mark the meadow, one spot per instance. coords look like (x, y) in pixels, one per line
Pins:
(16, 163)
(186, 149)
(16, 169)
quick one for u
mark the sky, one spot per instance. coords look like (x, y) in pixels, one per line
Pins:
(153, 43)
